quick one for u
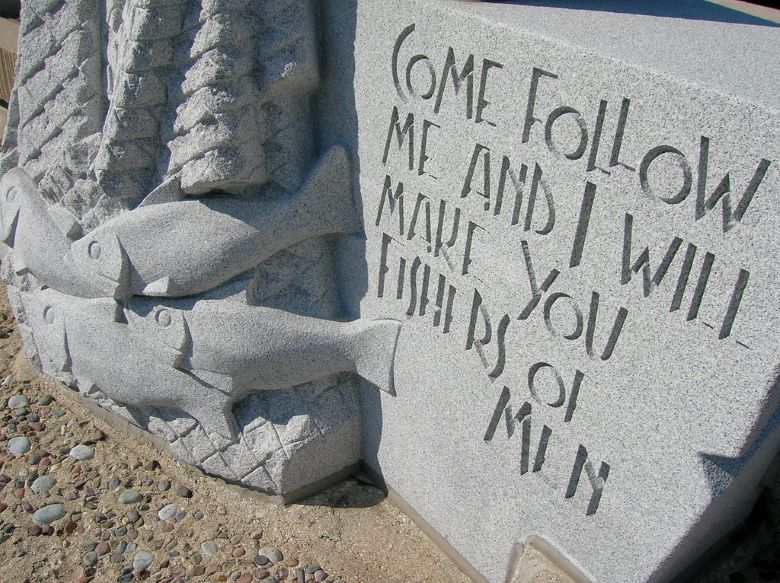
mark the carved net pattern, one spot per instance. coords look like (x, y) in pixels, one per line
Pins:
(96, 87)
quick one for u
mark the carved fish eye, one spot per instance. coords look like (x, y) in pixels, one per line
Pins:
(163, 318)
(94, 250)
(49, 314)
(11, 194)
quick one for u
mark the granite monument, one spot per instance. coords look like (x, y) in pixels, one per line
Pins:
(543, 235)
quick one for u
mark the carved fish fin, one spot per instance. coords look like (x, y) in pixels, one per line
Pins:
(221, 382)
(65, 221)
(168, 191)
(376, 353)
(215, 415)
(19, 263)
(159, 287)
(9, 224)
(86, 386)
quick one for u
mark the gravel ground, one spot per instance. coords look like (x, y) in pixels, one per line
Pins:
(81, 501)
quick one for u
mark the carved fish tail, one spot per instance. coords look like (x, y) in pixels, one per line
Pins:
(376, 353)
(215, 415)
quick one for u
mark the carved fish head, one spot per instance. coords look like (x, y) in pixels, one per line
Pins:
(163, 326)
(101, 253)
(10, 205)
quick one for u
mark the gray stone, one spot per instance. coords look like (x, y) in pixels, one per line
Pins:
(86, 216)
(17, 401)
(130, 497)
(573, 213)
(142, 560)
(43, 484)
(209, 548)
(89, 559)
(49, 514)
(576, 224)
(82, 452)
(168, 511)
(272, 554)
(18, 445)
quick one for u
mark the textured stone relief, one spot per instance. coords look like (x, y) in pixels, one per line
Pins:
(164, 210)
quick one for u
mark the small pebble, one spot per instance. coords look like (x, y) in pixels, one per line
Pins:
(238, 552)
(45, 400)
(209, 548)
(184, 492)
(142, 560)
(49, 513)
(18, 401)
(130, 497)
(167, 511)
(164, 486)
(245, 578)
(97, 435)
(313, 568)
(43, 484)
(89, 559)
(113, 484)
(103, 548)
(82, 452)
(273, 554)
(320, 576)
(19, 445)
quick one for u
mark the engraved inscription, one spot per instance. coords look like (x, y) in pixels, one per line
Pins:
(438, 217)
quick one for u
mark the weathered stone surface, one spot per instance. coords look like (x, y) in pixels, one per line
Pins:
(575, 215)
(183, 162)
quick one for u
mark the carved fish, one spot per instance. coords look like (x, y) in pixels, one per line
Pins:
(39, 244)
(202, 360)
(189, 246)
(171, 246)
(259, 348)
